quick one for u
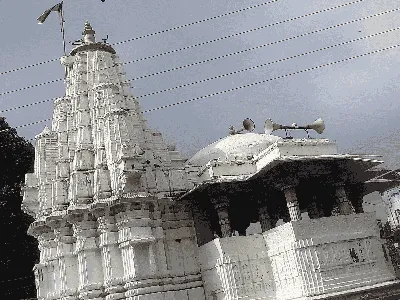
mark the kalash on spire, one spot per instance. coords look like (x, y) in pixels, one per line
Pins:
(101, 191)
(88, 33)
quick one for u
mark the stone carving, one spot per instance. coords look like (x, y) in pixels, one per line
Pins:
(245, 277)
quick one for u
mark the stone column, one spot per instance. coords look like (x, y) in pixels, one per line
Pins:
(292, 203)
(356, 194)
(314, 209)
(265, 219)
(344, 205)
(221, 205)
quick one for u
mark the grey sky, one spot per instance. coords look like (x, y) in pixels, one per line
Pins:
(359, 99)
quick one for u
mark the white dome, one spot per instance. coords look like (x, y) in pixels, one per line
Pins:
(237, 145)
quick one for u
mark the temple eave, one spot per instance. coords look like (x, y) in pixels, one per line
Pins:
(93, 47)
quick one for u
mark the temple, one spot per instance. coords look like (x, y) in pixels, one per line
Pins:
(120, 215)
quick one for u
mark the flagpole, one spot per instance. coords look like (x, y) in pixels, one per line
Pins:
(61, 14)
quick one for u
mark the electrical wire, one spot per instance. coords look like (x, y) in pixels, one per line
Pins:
(246, 31)
(154, 33)
(265, 64)
(226, 74)
(261, 46)
(30, 66)
(245, 86)
(274, 78)
(214, 58)
(31, 86)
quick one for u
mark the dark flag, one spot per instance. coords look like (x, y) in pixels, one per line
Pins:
(43, 16)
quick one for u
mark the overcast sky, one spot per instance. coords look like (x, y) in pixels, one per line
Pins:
(358, 99)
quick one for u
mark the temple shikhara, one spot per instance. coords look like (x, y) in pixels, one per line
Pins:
(121, 215)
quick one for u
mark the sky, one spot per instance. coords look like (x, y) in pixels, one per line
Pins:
(358, 99)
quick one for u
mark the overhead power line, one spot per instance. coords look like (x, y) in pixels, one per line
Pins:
(226, 74)
(218, 57)
(247, 85)
(31, 86)
(247, 31)
(266, 64)
(155, 33)
(197, 22)
(274, 78)
(30, 66)
(262, 46)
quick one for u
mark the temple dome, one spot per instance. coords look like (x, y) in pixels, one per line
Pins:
(234, 146)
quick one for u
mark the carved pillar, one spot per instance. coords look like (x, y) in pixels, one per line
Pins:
(356, 195)
(265, 220)
(221, 206)
(315, 210)
(344, 205)
(292, 203)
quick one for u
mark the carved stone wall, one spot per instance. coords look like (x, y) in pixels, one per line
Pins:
(327, 255)
(237, 268)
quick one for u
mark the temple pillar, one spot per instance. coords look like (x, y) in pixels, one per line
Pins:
(356, 196)
(292, 203)
(343, 203)
(315, 209)
(221, 206)
(265, 219)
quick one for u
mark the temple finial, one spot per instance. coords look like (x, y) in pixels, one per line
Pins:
(88, 33)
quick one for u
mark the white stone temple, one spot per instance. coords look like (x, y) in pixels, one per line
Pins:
(119, 215)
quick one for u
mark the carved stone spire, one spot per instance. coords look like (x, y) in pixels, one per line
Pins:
(98, 170)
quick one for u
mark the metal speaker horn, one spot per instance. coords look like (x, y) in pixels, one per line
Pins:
(318, 126)
(270, 126)
(248, 124)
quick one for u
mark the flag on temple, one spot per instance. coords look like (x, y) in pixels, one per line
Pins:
(43, 16)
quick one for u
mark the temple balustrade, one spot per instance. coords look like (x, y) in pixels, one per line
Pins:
(313, 257)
